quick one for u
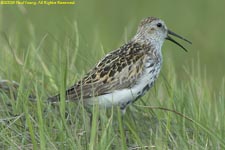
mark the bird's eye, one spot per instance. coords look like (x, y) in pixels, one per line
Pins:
(159, 25)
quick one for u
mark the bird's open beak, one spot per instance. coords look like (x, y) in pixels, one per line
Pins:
(172, 40)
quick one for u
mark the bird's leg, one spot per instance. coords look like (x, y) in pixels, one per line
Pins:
(123, 111)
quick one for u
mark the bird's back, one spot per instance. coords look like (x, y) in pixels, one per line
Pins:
(119, 78)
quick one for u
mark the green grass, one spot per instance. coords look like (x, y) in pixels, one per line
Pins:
(46, 58)
(39, 125)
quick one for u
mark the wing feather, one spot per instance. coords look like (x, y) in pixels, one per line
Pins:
(118, 70)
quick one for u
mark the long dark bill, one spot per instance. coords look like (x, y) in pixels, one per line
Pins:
(172, 40)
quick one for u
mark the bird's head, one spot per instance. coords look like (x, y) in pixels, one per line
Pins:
(155, 31)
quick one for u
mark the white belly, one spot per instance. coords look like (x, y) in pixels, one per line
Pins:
(125, 96)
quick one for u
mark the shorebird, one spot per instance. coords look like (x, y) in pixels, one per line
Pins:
(127, 73)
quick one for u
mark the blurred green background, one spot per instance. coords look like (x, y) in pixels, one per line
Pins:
(104, 25)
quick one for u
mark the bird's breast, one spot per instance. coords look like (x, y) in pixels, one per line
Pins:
(152, 70)
(123, 97)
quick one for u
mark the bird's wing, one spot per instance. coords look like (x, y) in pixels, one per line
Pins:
(117, 70)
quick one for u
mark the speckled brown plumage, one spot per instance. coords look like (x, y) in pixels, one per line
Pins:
(118, 70)
(126, 73)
